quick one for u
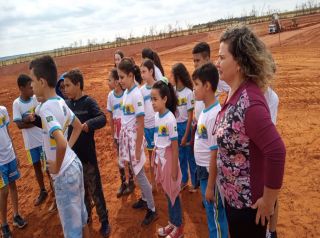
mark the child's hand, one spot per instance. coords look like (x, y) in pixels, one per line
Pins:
(29, 118)
(85, 127)
(210, 198)
(52, 167)
(184, 141)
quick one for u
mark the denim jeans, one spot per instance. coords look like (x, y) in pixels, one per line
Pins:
(175, 212)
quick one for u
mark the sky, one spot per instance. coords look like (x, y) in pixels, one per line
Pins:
(31, 26)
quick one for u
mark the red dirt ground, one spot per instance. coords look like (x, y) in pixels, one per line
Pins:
(297, 84)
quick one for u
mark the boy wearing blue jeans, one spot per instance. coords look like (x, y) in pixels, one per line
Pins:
(206, 79)
(9, 173)
(64, 166)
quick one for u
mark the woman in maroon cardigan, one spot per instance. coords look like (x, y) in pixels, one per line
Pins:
(251, 152)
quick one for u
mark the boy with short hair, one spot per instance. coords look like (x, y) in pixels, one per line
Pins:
(206, 79)
(63, 164)
(92, 118)
(9, 173)
(23, 106)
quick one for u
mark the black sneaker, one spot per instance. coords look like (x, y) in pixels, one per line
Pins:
(6, 233)
(19, 222)
(140, 204)
(105, 229)
(130, 188)
(41, 198)
(121, 190)
(272, 234)
(150, 217)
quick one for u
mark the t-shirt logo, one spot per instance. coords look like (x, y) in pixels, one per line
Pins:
(64, 110)
(128, 109)
(182, 101)
(49, 118)
(202, 131)
(163, 131)
(2, 120)
(175, 128)
(192, 102)
(139, 104)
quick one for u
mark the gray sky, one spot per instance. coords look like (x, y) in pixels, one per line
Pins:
(36, 25)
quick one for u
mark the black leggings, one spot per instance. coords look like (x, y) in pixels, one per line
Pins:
(242, 224)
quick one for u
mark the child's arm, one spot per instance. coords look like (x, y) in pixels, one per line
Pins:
(175, 156)
(14, 148)
(23, 125)
(61, 147)
(186, 133)
(140, 132)
(98, 118)
(210, 196)
(111, 122)
(76, 131)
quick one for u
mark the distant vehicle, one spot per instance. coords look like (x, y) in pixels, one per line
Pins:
(273, 29)
(274, 26)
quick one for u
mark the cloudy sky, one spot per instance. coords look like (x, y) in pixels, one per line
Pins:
(36, 25)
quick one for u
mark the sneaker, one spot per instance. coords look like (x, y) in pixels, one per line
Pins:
(272, 234)
(193, 189)
(121, 189)
(130, 188)
(6, 233)
(177, 232)
(19, 222)
(164, 231)
(105, 229)
(183, 186)
(140, 204)
(150, 217)
(41, 198)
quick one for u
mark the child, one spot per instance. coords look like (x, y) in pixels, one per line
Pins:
(60, 89)
(9, 173)
(148, 53)
(92, 118)
(164, 102)
(32, 135)
(131, 136)
(63, 164)
(118, 56)
(114, 104)
(205, 149)
(184, 119)
(147, 73)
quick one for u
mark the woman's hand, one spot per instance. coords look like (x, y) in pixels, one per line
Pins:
(210, 196)
(264, 210)
(184, 141)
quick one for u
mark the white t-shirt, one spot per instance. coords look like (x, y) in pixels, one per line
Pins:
(133, 106)
(198, 107)
(56, 115)
(205, 142)
(32, 137)
(273, 103)
(114, 104)
(157, 73)
(148, 108)
(165, 131)
(6, 149)
(222, 87)
(185, 104)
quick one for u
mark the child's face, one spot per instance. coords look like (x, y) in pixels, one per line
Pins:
(62, 88)
(111, 82)
(37, 85)
(146, 74)
(199, 90)
(125, 80)
(27, 91)
(158, 103)
(117, 59)
(71, 90)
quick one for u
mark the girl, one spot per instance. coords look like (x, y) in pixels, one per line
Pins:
(184, 116)
(147, 73)
(131, 135)
(118, 56)
(164, 102)
(148, 53)
(114, 104)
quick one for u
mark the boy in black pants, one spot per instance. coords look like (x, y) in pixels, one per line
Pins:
(92, 118)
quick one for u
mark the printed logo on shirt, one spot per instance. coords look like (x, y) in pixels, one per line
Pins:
(192, 101)
(117, 106)
(163, 130)
(202, 131)
(139, 104)
(148, 97)
(182, 101)
(128, 109)
(2, 120)
(64, 110)
(49, 118)
(175, 128)
(53, 143)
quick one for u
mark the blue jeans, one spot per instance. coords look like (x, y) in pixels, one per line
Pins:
(69, 191)
(216, 215)
(186, 156)
(175, 212)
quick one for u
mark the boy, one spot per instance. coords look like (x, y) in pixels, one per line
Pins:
(206, 79)
(63, 164)
(9, 173)
(92, 118)
(32, 135)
